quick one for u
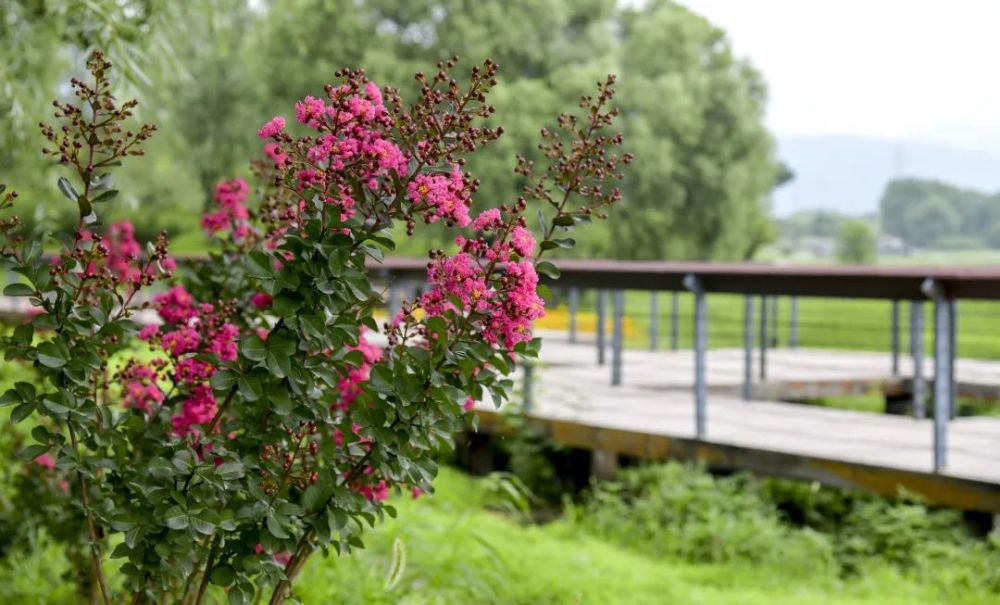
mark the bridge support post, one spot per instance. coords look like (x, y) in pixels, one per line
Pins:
(393, 299)
(674, 309)
(775, 324)
(694, 284)
(529, 385)
(917, 354)
(894, 337)
(793, 322)
(763, 338)
(573, 304)
(943, 365)
(747, 347)
(953, 347)
(654, 319)
(617, 337)
(601, 321)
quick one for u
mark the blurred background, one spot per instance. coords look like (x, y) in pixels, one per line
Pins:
(774, 130)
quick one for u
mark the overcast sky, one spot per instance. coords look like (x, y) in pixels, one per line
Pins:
(926, 70)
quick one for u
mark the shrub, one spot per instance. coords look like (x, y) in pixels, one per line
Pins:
(263, 422)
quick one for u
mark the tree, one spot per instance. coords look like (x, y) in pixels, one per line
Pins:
(704, 161)
(856, 243)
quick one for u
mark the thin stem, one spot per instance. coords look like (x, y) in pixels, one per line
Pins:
(95, 549)
(208, 569)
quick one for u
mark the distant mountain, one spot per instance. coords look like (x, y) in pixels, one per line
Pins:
(848, 173)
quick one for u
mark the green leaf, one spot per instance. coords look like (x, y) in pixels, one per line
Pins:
(223, 575)
(563, 220)
(23, 334)
(230, 471)
(51, 355)
(160, 468)
(67, 189)
(275, 528)
(26, 390)
(224, 380)
(10, 398)
(176, 518)
(253, 348)
(32, 451)
(21, 412)
(18, 290)
(548, 269)
(107, 196)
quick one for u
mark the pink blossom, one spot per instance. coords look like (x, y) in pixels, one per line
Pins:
(487, 220)
(272, 128)
(139, 388)
(198, 408)
(279, 157)
(45, 461)
(523, 242)
(469, 403)
(193, 371)
(261, 300)
(149, 331)
(175, 306)
(310, 111)
(180, 341)
(416, 492)
(444, 196)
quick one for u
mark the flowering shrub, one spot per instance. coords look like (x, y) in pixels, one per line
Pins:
(270, 415)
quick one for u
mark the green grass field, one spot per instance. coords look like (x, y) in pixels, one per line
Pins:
(828, 323)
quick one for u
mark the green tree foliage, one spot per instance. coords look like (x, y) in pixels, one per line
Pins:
(692, 111)
(929, 213)
(856, 243)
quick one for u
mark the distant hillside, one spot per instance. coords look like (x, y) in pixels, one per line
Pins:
(848, 174)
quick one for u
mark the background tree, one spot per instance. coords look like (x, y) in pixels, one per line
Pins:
(856, 243)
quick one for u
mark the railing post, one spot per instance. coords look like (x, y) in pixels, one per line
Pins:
(763, 338)
(529, 384)
(694, 284)
(654, 319)
(793, 322)
(953, 347)
(894, 326)
(674, 309)
(917, 354)
(747, 347)
(574, 304)
(617, 336)
(601, 321)
(943, 363)
(774, 322)
(393, 303)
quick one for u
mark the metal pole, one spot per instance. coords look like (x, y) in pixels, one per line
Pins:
(393, 302)
(917, 353)
(574, 304)
(674, 308)
(654, 319)
(601, 320)
(763, 338)
(617, 336)
(747, 347)
(774, 322)
(953, 347)
(529, 391)
(692, 283)
(894, 327)
(793, 322)
(942, 367)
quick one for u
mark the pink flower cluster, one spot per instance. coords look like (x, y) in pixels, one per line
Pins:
(192, 331)
(349, 386)
(445, 197)
(502, 308)
(353, 129)
(140, 388)
(231, 196)
(123, 251)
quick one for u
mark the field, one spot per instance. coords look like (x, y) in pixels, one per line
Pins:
(827, 323)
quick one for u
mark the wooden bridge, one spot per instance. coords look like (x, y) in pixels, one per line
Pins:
(731, 408)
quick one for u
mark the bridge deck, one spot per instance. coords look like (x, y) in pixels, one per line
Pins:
(652, 416)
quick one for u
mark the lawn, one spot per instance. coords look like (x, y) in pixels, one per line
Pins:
(826, 323)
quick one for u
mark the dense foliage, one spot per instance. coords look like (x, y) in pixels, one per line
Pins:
(932, 214)
(692, 109)
(267, 414)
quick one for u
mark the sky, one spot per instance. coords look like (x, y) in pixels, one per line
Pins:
(917, 70)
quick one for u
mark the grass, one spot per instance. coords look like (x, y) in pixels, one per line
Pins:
(824, 323)
(459, 549)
